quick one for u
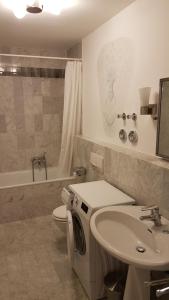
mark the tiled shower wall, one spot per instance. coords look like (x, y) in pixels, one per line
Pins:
(31, 112)
(141, 176)
(30, 120)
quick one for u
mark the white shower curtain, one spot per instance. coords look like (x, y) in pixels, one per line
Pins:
(71, 114)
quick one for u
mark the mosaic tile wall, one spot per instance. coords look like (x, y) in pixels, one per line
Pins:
(32, 62)
(30, 120)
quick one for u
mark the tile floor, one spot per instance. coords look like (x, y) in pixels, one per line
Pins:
(34, 263)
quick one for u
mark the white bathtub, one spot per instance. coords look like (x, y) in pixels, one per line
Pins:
(20, 178)
(21, 198)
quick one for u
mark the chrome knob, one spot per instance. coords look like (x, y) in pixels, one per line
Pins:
(133, 137)
(122, 116)
(133, 117)
(123, 135)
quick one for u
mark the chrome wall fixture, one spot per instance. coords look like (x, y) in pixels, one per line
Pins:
(132, 117)
(79, 171)
(122, 135)
(133, 137)
(122, 116)
(39, 162)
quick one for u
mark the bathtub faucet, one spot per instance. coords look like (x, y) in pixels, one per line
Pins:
(39, 162)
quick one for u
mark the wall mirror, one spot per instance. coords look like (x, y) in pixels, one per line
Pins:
(162, 146)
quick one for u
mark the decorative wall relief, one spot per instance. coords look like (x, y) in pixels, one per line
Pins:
(114, 66)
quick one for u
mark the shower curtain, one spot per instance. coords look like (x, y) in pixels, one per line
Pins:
(71, 114)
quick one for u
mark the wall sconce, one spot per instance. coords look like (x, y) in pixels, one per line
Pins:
(150, 109)
(145, 107)
(14, 71)
(1, 70)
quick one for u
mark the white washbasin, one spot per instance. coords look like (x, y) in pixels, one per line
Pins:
(120, 231)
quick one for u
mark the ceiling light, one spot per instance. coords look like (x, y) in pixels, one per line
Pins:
(21, 7)
(34, 7)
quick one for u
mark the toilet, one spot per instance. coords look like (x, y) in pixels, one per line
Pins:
(60, 217)
(59, 214)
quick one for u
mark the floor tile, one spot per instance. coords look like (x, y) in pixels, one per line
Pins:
(34, 263)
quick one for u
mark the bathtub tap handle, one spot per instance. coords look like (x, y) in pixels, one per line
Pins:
(122, 116)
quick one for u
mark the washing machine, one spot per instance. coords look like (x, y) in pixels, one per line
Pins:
(88, 259)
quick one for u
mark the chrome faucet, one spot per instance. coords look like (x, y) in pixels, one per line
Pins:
(39, 162)
(154, 215)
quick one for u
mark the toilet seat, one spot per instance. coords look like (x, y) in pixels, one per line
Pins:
(60, 214)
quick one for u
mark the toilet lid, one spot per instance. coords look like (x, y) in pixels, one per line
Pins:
(60, 212)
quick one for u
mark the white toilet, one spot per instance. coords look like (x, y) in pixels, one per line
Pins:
(60, 217)
(59, 214)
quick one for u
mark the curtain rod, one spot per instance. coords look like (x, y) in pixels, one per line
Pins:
(41, 57)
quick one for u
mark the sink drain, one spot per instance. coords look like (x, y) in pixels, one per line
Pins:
(140, 249)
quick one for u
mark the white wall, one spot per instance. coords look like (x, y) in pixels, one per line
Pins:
(145, 23)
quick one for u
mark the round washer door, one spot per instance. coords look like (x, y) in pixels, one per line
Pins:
(79, 236)
(70, 237)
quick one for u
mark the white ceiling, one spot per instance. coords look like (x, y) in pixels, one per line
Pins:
(50, 31)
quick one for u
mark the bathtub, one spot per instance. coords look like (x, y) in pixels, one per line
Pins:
(21, 198)
(10, 179)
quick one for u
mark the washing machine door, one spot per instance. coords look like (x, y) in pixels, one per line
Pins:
(79, 236)
(70, 237)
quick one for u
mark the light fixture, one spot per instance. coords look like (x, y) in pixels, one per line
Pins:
(34, 7)
(14, 70)
(21, 7)
(1, 70)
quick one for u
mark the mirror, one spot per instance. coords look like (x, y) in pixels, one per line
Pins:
(162, 146)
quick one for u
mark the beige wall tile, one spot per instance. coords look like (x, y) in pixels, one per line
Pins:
(20, 122)
(38, 122)
(31, 111)
(3, 125)
(25, 141)
(49, 105)
(143, 177)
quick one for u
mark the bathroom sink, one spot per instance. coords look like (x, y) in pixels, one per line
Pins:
(119, 230)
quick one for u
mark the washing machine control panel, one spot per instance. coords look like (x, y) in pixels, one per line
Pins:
(84, 207)
(81, 207)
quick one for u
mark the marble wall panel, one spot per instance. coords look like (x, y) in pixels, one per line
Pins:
(3, 126)
(38, 122)
(20, 122)
(51, 105)
(22, 202)
(143, 177)
(30, 120)
(27, 129)
(81, 157)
